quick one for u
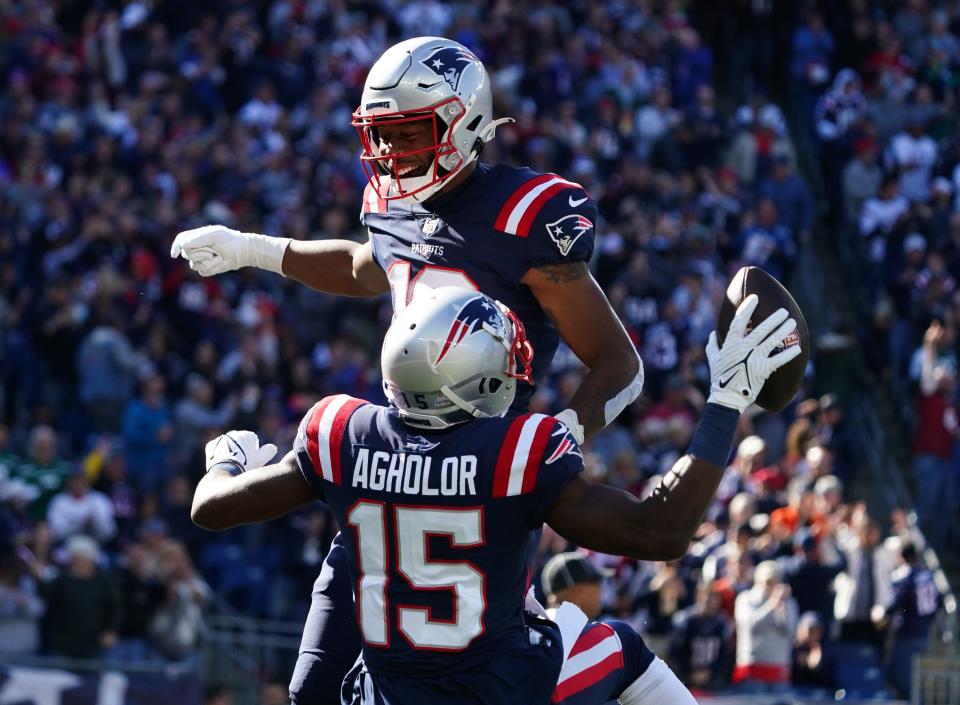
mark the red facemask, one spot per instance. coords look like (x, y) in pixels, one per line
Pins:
(382, 170)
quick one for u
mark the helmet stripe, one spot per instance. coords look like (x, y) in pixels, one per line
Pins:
(454, 329)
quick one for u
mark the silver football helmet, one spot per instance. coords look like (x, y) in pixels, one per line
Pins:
(425, 78)
(454, 354)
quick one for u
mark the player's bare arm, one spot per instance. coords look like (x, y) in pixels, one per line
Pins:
(239, 489)
(661, 526)
(658, 528)
(579, 309)
(335, 267)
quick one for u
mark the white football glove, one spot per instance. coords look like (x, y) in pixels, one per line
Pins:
(739, 369)
(570, 419)
(214, 249)
(240, 449)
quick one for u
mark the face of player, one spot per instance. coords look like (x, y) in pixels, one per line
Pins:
(414, 138)
(587, 596)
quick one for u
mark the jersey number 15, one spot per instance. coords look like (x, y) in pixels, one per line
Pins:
(413, 528)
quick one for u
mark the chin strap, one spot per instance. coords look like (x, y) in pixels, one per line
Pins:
(463, 403)
(490, 130)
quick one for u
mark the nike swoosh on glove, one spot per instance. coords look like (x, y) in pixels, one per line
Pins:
(239, 448)
(739, 369)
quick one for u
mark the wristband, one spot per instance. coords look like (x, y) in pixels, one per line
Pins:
(266, 252)
(229, 466)
(714, 436)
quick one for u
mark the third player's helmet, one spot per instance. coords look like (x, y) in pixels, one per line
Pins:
(425, 78)
(454, 354)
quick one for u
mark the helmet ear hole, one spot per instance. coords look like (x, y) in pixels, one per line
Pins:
(473, 123)
(495, 384)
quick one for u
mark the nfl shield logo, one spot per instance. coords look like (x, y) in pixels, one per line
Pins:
(430, 226)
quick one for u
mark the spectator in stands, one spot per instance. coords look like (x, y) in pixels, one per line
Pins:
(44, 470)
(177, 626)
(916, 600)
(665, 595)
(83, 604)
(143, 594)
(20, 607)
(810, 579)
(106, 468)
(571, 577)
(791, 194)
(80, 510)
(862, 178)
(812, 666)
(196, 415)
(863, 588)
(15, 519)
(766, 616)
(106, 366)
(767, 242)
(879, 216)
(702, 641)
(836, 435)
(148, 432)
(912, 155)
(937, 428)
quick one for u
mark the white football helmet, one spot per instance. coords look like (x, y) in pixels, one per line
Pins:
(425, 78)
(454, 354)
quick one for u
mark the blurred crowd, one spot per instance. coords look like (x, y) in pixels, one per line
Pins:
(787, 585)
(889, 148)
(126, 122)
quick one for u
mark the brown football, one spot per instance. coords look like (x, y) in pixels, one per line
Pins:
(783, 385)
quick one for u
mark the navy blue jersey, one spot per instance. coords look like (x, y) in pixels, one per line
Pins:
(915, 602)
(436, 526)
(486, 235)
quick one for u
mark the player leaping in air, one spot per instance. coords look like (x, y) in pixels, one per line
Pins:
(436, 217)
(439, 495)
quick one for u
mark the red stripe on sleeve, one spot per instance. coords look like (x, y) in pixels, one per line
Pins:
(539, 445)
(590, 638)
(533, 210)
(336, 434)
(523, 190)
(588, 677)
(501, 475)
(313, 429)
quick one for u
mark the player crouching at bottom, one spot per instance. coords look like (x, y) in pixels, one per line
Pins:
(438, 493)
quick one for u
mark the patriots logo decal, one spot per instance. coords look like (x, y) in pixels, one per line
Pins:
(469, 320)
(449, 63)
(566, 445)
(567, 230)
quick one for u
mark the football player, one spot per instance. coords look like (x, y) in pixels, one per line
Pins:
(440, 493)
(436, 217)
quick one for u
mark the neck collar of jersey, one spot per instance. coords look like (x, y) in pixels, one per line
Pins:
(446, 198)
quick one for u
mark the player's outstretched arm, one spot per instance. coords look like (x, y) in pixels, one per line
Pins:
(579, 309)
(333, 266)
(660, 527)
(239, 489)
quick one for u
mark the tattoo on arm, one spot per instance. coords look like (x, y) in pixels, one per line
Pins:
(564, 273)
